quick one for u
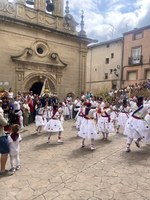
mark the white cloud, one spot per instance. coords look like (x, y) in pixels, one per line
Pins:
(108, 19)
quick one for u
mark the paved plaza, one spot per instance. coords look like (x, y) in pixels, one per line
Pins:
(68, 172)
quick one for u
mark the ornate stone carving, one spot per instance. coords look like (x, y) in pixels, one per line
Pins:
(30, 15)
(7, 7)
(31, 57)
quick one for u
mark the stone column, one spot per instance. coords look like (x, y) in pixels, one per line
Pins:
(59, 8)
(82, 69)
(40, 5)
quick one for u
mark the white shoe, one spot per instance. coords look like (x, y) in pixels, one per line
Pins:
(93, 147)
(18, 167)
(12, 169)
(59, 141)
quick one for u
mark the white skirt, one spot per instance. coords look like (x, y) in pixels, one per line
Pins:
(39, 120)
(122, 118)
(53, 125)
(88, 129)
(104, 125)
(136, 128)
(147, 131)
(78, 122)
(65, 110)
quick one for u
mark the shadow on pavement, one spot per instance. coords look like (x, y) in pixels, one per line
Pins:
(81, 152)
(30, 137)
(74, 138)
(102, 142)
(137, 156)
(46, 145)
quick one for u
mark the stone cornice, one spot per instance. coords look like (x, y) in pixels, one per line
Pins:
(28, 57)
(40, 27)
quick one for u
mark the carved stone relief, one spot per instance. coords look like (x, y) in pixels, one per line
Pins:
(7, 7)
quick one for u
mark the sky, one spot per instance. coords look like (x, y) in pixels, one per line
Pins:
(109, 19)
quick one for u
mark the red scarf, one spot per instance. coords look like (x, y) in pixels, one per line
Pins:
(14, 136)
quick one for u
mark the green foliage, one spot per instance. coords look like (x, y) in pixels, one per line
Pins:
(144, 92)
(105, 95)
(2, 89)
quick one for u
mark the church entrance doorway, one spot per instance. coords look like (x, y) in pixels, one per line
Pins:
(36, 88)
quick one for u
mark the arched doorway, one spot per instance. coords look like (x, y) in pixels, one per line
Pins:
(36, 88)
(34, 82)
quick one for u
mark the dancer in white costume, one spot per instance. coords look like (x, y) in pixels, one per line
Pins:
(80, 115)
(114, 116)
(88, 127)
(60, 110)
(136, 126)
(65, 109)
(54, 124)
(123, 115)
(39, 122)
(105, 125)
(47, 112)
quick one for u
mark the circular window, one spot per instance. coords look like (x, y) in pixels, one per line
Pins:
(41, 49)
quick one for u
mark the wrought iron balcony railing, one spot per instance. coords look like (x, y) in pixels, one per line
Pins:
(138, 60)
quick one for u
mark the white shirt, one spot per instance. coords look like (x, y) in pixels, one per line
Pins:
(16, 105)
(14, 146)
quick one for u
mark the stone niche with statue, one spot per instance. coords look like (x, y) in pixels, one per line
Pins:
(38, 42)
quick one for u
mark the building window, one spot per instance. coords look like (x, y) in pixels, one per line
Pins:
(112, 55)
(114, 85)
(132, 76)
(106, 75)
(138, 35)
(136, 55)
(147, 74)
(107, 45)
(107, 60)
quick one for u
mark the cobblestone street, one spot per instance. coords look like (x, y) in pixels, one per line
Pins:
(68, 172)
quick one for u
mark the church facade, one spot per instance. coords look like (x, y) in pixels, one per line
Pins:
(37, 44)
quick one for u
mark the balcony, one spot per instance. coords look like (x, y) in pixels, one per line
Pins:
(135, 60)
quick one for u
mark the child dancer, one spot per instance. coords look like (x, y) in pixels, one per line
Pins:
(14, 144)
(88, 127)
(39, 118)
(105, 125)
(20, 115)
(54, 124)
(123, 115)
(80, 115)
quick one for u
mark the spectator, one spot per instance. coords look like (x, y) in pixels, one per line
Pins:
(4, 146)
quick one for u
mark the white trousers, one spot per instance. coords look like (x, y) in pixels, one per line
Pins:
(14, 161)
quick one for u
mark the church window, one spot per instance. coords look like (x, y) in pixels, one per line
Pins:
(40, 50)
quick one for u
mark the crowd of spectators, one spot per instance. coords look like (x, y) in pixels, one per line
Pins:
(23, 106)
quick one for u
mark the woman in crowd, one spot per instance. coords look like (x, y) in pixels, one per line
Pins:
(4, 146)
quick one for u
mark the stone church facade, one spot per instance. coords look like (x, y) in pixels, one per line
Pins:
(37, 45)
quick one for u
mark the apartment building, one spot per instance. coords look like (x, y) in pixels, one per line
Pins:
(136, 56)
(104, 66)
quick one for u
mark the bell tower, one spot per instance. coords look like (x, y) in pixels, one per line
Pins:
(58, 8)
